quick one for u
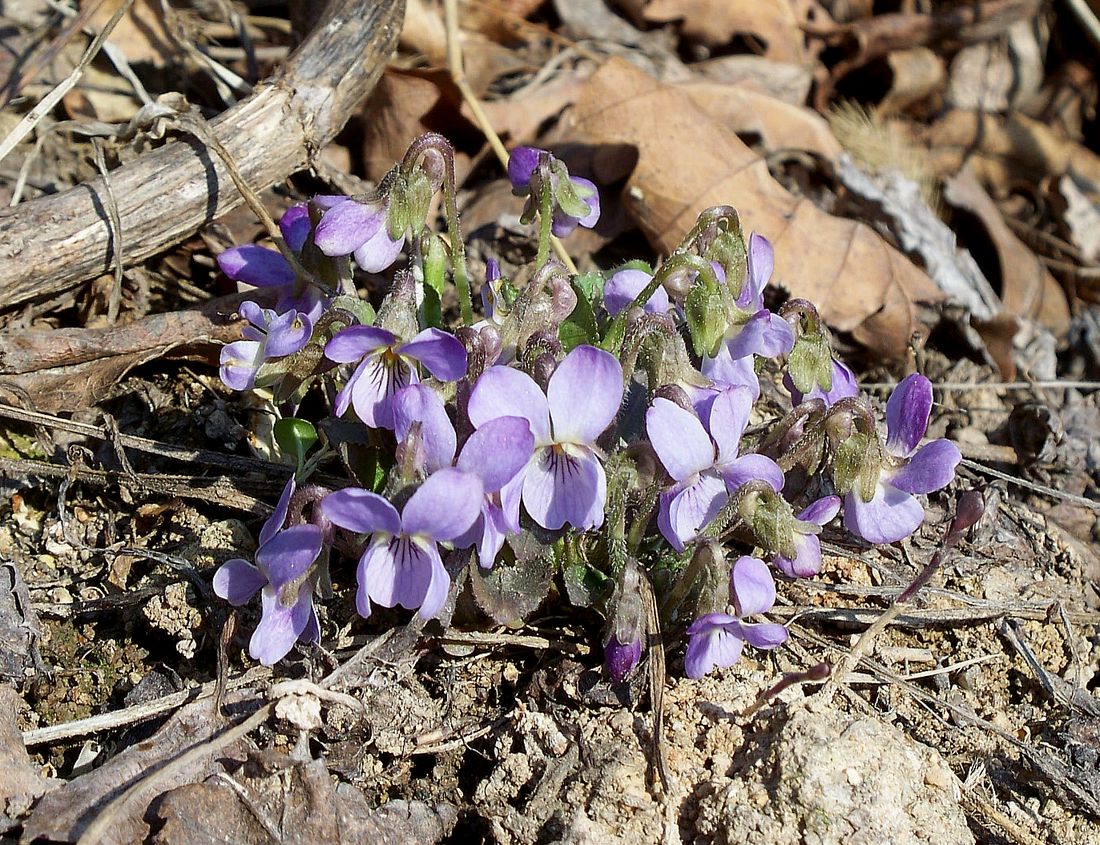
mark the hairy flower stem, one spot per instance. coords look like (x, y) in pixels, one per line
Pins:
(546, 213)
(701, 560)
(439, 154)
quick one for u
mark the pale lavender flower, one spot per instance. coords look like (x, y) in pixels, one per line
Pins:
(401, 564)
(576, 200)
(386, 364)
(420, 406)
(281, 574)
(622, 288)
(261, 267)
(703, 461)
(807, 559)
(564, 482)
(360, 229)
(716, 639)
(893, 513)
(270, 335)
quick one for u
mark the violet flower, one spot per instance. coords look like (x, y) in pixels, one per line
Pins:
(893, 513)
(703, 461)
(401, 564)
(622, 288)
(716, 639)
(495, 453)
(621, 658)
(281, 574)
(564, 481)
(359, 229)
(261, 267)
(844, 386)
(386, 364)
(576, 200)
(271, 335)
(807, 559)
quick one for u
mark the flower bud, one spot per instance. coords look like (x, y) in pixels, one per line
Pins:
(621, 658)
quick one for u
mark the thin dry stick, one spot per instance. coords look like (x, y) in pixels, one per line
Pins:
(1057, 495)
(991, 385)
(45, 106)
(458, 75)
(111, 205)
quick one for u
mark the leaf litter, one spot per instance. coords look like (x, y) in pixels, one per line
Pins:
(972, 715)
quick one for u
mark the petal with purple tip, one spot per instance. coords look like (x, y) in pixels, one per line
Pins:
(807, 559)
(711, 645)
(932, 467)
(418, 403)
(255, 265)
(752, 468)
(685, 510)
(289, 554)
(278, 516)
(752, 586)
(279, 628)
(726, 422)
(890, 516)
(237, 581)
(444, 506)
(361, 510)
(507, 392)
(441, 353)
(239, 362)
(907, 412)
(521, 165)
(379, 251)
(764, 634)
(679, 439)
(295, 226)
(355, 342)
(287, 334)
(761, 263)
(497, 451)
(623, 287)
(821, 512)
(726, 371)
(347, 226)
(584, 394)
(765, 334)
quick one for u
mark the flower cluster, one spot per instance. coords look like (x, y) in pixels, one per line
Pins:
(597, 425)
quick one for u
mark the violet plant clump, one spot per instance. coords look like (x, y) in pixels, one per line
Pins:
(603, 434)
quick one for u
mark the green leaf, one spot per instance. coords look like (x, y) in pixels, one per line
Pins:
(589, 285)
(512, 589)
(435, 265)
(580, 326)
(295, 437)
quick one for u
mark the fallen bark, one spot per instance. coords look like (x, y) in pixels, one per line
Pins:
(53, 243)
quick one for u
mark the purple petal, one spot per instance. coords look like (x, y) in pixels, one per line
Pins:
(255, 265)
(494, 529)
(347, 226)
(237, 581)
(373, 391)
(399, 571)
(278, 516)
(239, 362)
(622, 288)
(844, 386)
(890, 516)
(907, 412)
(295, 226)
(343, 396)
(764, 634)
(761, 262)
(711, 645)
(562, 225)
(621, 658)
(751, 468)
(729, 414)
(561, 487)
(497, 451)
(684, 510)
(752, 586)
(521, 165)
(821, 512)
(355, 342)
(765, 334)
(419, 403)
(438, 586)
(584, 394)
(592, 199)
(807, 559)
(726, 371)
(361, 510)
(506, 392)
(442, 354)
(287, 334)
(289, 554)
(509, 498)
(444, 506)
(279, 627)
(931, 468)
(379, 251)
(679, 439)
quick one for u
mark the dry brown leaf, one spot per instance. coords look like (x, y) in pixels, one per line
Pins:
(1082, 218)
(917, 74)
(686, 162)
(783, 80)
(716, 22)
(782, 126)
(518, 117)
(1026, 287)
(141, 33)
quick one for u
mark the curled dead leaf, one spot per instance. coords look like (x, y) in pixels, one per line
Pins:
(686, 162)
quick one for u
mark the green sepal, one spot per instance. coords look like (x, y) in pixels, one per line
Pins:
(773, 525)
(706, 318)
(810, 363)
(362, 310)
(580, 326)
(849, 462)
(431, 309)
